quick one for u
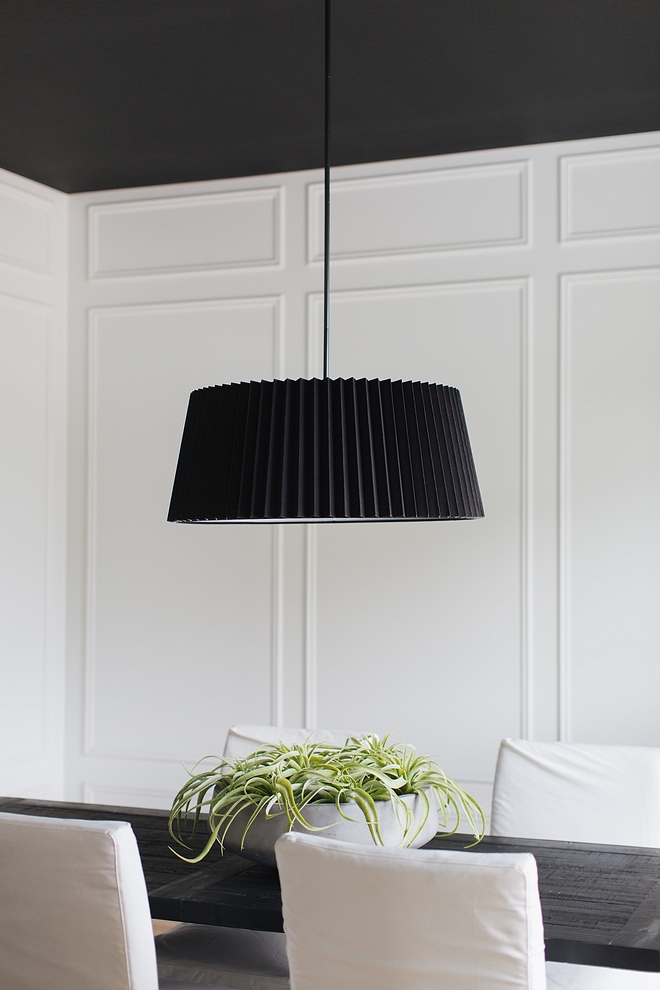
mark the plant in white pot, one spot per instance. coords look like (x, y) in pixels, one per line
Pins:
(364, 791)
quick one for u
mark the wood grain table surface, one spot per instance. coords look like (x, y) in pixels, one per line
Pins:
(601, 903)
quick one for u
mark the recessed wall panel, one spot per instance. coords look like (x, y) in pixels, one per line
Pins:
(476, 206)
(419, 624)
(23, 532)
(179, 616)
(611, 490)
(185, 233)
(24, 229)
(447, 635)
(611, 194)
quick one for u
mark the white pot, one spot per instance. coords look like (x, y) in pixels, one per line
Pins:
(259, 844)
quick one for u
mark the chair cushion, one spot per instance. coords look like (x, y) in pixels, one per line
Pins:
(373, 918)
(577, 792)
(567, 976)
(74, 913)
(222, 957)
(580, 793)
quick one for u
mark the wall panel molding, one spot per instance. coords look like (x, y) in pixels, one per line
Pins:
(610, 194)
(25, 229)
(471, 207)
(314, 351)
(526, 512)
(33, 410)
(34, 747)
(311, 628)
(566, 615)
(277, 628)
(274, 304)
(503, 634)
(180, 234)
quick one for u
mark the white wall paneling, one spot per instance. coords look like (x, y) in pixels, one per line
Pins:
(173, 627)
(32, 495)
(432, 598)
(26, 226)
(526, 277)
(200, 606)
(610, 487)
(24, 454)
(186, 233)
(612, 194)
(311, 627)
(473, 206)
(277, 627)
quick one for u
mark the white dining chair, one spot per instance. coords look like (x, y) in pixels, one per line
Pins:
(369, 918)
(74, 915)
(242, 740)
(576, 792)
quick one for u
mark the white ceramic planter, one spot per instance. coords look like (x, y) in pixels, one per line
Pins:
(259, 845)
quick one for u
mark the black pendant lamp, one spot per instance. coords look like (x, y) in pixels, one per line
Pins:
(325, 450)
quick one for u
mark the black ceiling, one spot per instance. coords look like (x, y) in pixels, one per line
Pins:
(98, 94)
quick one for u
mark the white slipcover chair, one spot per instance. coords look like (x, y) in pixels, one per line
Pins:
(368, 918)
(74, 915)
(242, 740)
(580, 793)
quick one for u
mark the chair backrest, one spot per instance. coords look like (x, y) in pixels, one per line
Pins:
(577, 793)
(74, 912)
(367, 918)
(242, 740)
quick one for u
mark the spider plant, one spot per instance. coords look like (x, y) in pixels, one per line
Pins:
(284, 780)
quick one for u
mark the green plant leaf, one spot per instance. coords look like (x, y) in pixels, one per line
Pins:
(280, 779)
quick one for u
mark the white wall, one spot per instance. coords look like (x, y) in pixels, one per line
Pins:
(527, 277)
(33, 257)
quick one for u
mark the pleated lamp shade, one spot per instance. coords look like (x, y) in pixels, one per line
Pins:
(325, 450)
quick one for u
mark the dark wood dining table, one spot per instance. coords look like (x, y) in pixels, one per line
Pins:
(601, 904)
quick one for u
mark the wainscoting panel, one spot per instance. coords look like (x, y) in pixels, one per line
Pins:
(180, 633)
(185, 233)
(611, 194)
(477, 206)
(526, 277)
(33, 250)
(25, 228)
(399, 631)
(23, 522)
(611, 529)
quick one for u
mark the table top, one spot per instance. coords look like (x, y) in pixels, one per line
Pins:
(601, 904)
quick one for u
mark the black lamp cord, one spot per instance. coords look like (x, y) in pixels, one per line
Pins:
(326, 178)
